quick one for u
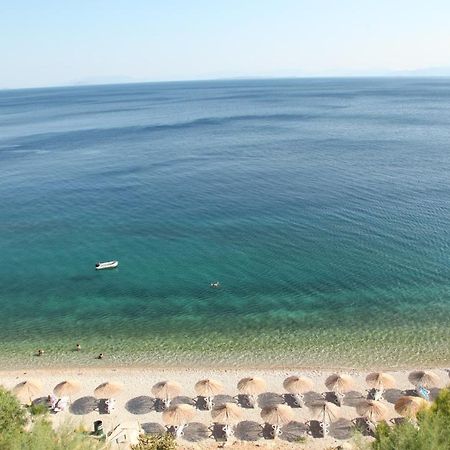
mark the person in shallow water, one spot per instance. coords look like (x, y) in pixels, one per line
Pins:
(78, 347)
(40, 352)
(100, 356)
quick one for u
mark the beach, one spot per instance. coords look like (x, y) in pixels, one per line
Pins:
(133, 404)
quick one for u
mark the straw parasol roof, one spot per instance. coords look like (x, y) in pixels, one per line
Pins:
(251, 386)
(178, 414)
(423, 378)
(166, 389)
(409, 406)
(380, 380)
(68, 387)
(297, 385)
(108, 389)
(277, 415)
(339, 382)
(25, 390)
(326, 410)
(228, 413)
(372, 409)
(208, 387)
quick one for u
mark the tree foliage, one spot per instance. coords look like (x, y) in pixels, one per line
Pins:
(432, 430)
(156, 442)
(37, 436)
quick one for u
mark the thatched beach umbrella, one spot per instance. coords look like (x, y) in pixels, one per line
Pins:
(423, 378)
(26, 390)
(208, 387)
(166, 390)
(108, 389)
(67, 388)
(372, 409)
(380, 380)
(339, 383)
(251, 387)
(228, 413)
(409, 406)
(325, 411)
(277, 416)
(297, 384)
(178, 416)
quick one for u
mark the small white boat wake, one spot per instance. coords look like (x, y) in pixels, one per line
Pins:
(106, 265)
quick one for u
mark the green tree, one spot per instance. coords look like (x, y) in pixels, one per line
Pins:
(12, 419)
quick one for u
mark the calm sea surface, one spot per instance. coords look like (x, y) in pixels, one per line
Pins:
(321, 206)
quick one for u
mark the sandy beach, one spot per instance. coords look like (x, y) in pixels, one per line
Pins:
(134, 404)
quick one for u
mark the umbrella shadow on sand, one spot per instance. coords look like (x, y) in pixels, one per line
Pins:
(269, 399)
(83, 405)
(392, 395)
(140, 405)
(40, 401)
(196, 432)
(222, 399)
(353, 398)
(248, 430)
(244, 401)
(312, 397)
(293, 431)
(182, 400)
(153, 428)
(342, 429)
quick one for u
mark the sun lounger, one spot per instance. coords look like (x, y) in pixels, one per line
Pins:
(423, 392)
(299, 399)
(325, 427)
(61, 405)
(110, 405)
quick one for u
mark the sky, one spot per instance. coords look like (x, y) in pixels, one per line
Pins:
(64, 42)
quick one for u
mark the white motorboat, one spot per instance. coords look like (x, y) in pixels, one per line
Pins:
(106, 265)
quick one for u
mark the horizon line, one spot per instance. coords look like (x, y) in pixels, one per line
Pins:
(237, 78)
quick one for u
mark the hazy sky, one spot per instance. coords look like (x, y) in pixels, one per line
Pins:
(53, 42)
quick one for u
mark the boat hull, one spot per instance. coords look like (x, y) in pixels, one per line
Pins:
(106, 265)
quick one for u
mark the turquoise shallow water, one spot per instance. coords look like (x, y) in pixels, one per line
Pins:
(322, 206)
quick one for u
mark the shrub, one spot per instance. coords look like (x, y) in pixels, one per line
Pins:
(38, 409)
(431, 432)
(156, 442)
(12, 418)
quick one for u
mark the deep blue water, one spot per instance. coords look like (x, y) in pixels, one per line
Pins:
(322, 207)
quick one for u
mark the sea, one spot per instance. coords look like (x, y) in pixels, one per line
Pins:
(321, 206)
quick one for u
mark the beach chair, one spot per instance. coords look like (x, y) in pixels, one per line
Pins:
(276, 431)
(375, 394)
(423, 392)
(299, 399)
(61, 405)
(110, 405)
(325, 428)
